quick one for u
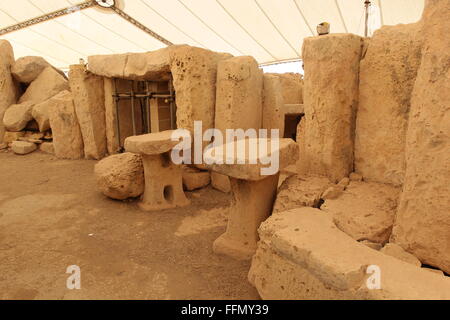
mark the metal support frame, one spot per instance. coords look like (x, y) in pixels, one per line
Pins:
(141, 91)
(367, 4)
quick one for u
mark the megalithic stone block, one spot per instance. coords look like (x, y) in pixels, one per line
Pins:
(163, 178)
(253, 194)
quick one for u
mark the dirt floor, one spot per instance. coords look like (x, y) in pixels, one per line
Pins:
(52, 216)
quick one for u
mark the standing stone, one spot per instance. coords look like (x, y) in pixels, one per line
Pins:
(194, 72)
(17, 116)
(423, 218)
(220, 182)
(47, 147)
(67, 139)
(88, 95)
(387, 76)
(27, 69)
(8, 88)
(291, 87)
(273, 116)
(239, 94)
(330, 101)
(112, 144)
(47, 84)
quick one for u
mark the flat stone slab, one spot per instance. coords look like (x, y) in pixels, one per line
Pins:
(294, 109)
(23, 147)
(151, 143)
(251, 168)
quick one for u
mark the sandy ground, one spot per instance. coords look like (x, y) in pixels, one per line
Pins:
(52, 216)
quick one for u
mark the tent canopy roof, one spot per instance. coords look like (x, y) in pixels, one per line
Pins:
(268, 30)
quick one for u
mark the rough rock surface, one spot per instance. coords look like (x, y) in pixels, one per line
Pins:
(303, 255)
(393, 250)
(194, 178)
(330, 101)
(89, 100)
(23, 147)
(387, 76)
(47, 84)
(47, 147)
(12, 136)
(291, 87)
(365, 211)
(220, 182)
(17, 116)
(239, 87)
(300, 191)
(67, 139)
(423, 218)
(120, 176)
(27, 69)
(8, 88)
(272, 108)
(40, 114)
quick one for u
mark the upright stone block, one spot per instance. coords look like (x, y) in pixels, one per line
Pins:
(67, 139)
(8, 88)
(330, 102)
(239, 94)
(422, 226)
(89, 100)
(273, 115)
(387, 76)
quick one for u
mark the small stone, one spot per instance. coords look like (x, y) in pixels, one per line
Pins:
(23, 147)
(355, 177)
(344, 183)
(12, 136)
(220, 182)
(372, 245)
(47, 147)
(195, 179)
(394, 250)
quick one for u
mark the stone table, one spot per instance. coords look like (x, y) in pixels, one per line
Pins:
(163, 179)
(253, 194)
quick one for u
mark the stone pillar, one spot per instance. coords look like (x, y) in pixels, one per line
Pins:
(272, 110)
(330, 102)
(88, 94)
(423, 217)
(387, 75)
(8, 88)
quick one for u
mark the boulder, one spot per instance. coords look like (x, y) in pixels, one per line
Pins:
(27, 69)
(47, 147)
(40, 113)
(17, 116)
(23, 147)
(365, 211)
(300, 191)
(393, 250)
(9, 90)
(330, 101)
(47, 84)
(89, 100)
(12, 136)
(194, 178)
(422, 226)
(387, 76)
(120, 176)
(67, 139)
(220, 182)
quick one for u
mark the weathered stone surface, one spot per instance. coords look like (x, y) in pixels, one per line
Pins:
(272, 108)
(17, 116)
(239, 87)
(8, 88)
(249, 165)
(300, 191)
(120, 176)
(393, 250)
(67, 139)
(332, 192)
(151, 143)
(291, 87)
(372, 245)
(89, 100)
(423, 218)
(365, 211)
(355, 176)
(40, 113)
(194, 178)
(23, 147)
(302, 255)
(387, 76)
(47, 147)
(27, 69)
(12, 136)
(47, 84)
(220, 182)
(330, 101)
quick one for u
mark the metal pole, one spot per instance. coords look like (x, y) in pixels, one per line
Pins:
(366, 24)
(116, 100)
(147, 107)
(171, 104)
(133, 120)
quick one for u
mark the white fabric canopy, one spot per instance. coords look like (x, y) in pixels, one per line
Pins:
(269, 30)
